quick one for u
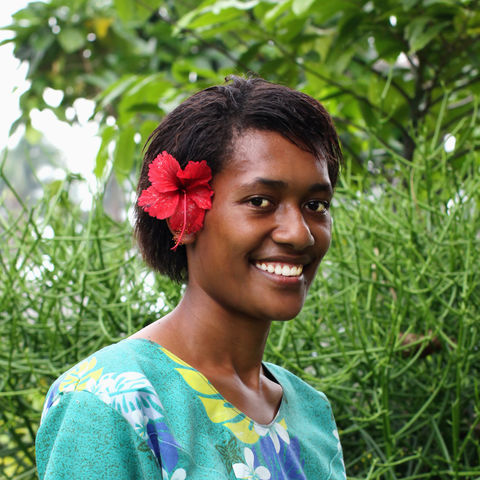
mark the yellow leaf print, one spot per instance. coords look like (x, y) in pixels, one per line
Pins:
(216, 407)
(243, 430)
(197, 381)
(217, 411)
(78, 377)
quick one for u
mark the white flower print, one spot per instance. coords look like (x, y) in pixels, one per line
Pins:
(132, 395)
(178, 474)
(274, 431)
(247, 470)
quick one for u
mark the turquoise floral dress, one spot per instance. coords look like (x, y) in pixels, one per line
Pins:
(136, 411)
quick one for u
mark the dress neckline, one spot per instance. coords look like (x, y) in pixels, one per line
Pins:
(278, 416)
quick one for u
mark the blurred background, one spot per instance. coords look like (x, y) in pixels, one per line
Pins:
(390, 331)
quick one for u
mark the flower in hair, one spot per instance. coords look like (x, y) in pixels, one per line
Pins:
(181, 196)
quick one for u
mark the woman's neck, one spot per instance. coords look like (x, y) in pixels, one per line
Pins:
(212, 339)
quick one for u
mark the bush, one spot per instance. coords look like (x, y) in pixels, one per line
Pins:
(389, 331)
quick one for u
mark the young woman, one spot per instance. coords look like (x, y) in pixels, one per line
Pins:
(233, 200)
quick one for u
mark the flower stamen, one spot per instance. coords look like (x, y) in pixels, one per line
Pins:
(179, 238)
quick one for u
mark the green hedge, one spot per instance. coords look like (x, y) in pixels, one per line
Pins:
(390, 331)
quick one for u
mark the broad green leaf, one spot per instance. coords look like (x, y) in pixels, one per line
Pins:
(102, 155)
(409, 4)
(147, 129)
(218, 12)
(214, 17)
(125, 9)
(115, 90)
(322, 44)
(135, 11)
(271, 15)
(124, 153)
(328, 9)
(419, 34)
(146, 91)
(299, 7)
(71, 39)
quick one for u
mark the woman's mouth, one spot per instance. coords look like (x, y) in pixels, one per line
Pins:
(283, 269)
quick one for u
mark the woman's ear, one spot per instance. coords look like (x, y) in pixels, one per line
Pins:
(187, 238)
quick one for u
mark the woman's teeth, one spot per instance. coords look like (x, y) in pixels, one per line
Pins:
(281, 269)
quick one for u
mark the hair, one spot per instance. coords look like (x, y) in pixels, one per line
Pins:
(205, 127)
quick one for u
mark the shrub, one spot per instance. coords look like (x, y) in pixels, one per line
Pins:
(389, 331)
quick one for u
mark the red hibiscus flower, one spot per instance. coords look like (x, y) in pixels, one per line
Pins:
(181, 196)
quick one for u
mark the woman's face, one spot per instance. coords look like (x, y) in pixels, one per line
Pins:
(267, 231)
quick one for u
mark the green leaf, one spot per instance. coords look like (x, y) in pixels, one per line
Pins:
(146, 130)
(327, 10)
(125, 9)
(124, 153)
(219, 12)
(135, 11)
(323, 42)
(102, 155)
(299, 7)
(71, 39)
(115, 90)
(271, 16)
(419, 34)
(146, 91)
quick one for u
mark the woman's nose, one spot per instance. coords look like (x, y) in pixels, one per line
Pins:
(293, 230)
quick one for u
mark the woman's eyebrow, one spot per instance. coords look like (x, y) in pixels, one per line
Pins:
(268, 182)
(281, 185)
(321, 187)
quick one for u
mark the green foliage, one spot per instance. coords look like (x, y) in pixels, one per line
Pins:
(71, 283)
(386, 70)
(390, 330)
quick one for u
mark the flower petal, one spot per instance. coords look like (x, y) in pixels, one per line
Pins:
(162, 173)
(195, 173)
(173, 187)
(282, 432)
(179, 474)
(241, 470)
(195, 216)
(262, 473)
(249, 458)
(201, 195)
(275, 440)
(260, 429)
(158, 204)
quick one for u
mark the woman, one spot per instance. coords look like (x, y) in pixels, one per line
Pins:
(243, 219)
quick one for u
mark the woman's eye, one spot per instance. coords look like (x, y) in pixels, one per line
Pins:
(260, 202)
(317, 206)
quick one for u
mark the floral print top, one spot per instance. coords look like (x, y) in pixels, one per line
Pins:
(136, 411)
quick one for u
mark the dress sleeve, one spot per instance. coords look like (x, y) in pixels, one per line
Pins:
(83, 438)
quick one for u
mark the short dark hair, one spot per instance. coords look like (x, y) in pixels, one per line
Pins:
(205, 126)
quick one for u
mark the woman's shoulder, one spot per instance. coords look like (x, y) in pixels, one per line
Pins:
(111, 374)
(114, 394)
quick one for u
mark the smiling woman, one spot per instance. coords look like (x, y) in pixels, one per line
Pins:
(233, 199)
